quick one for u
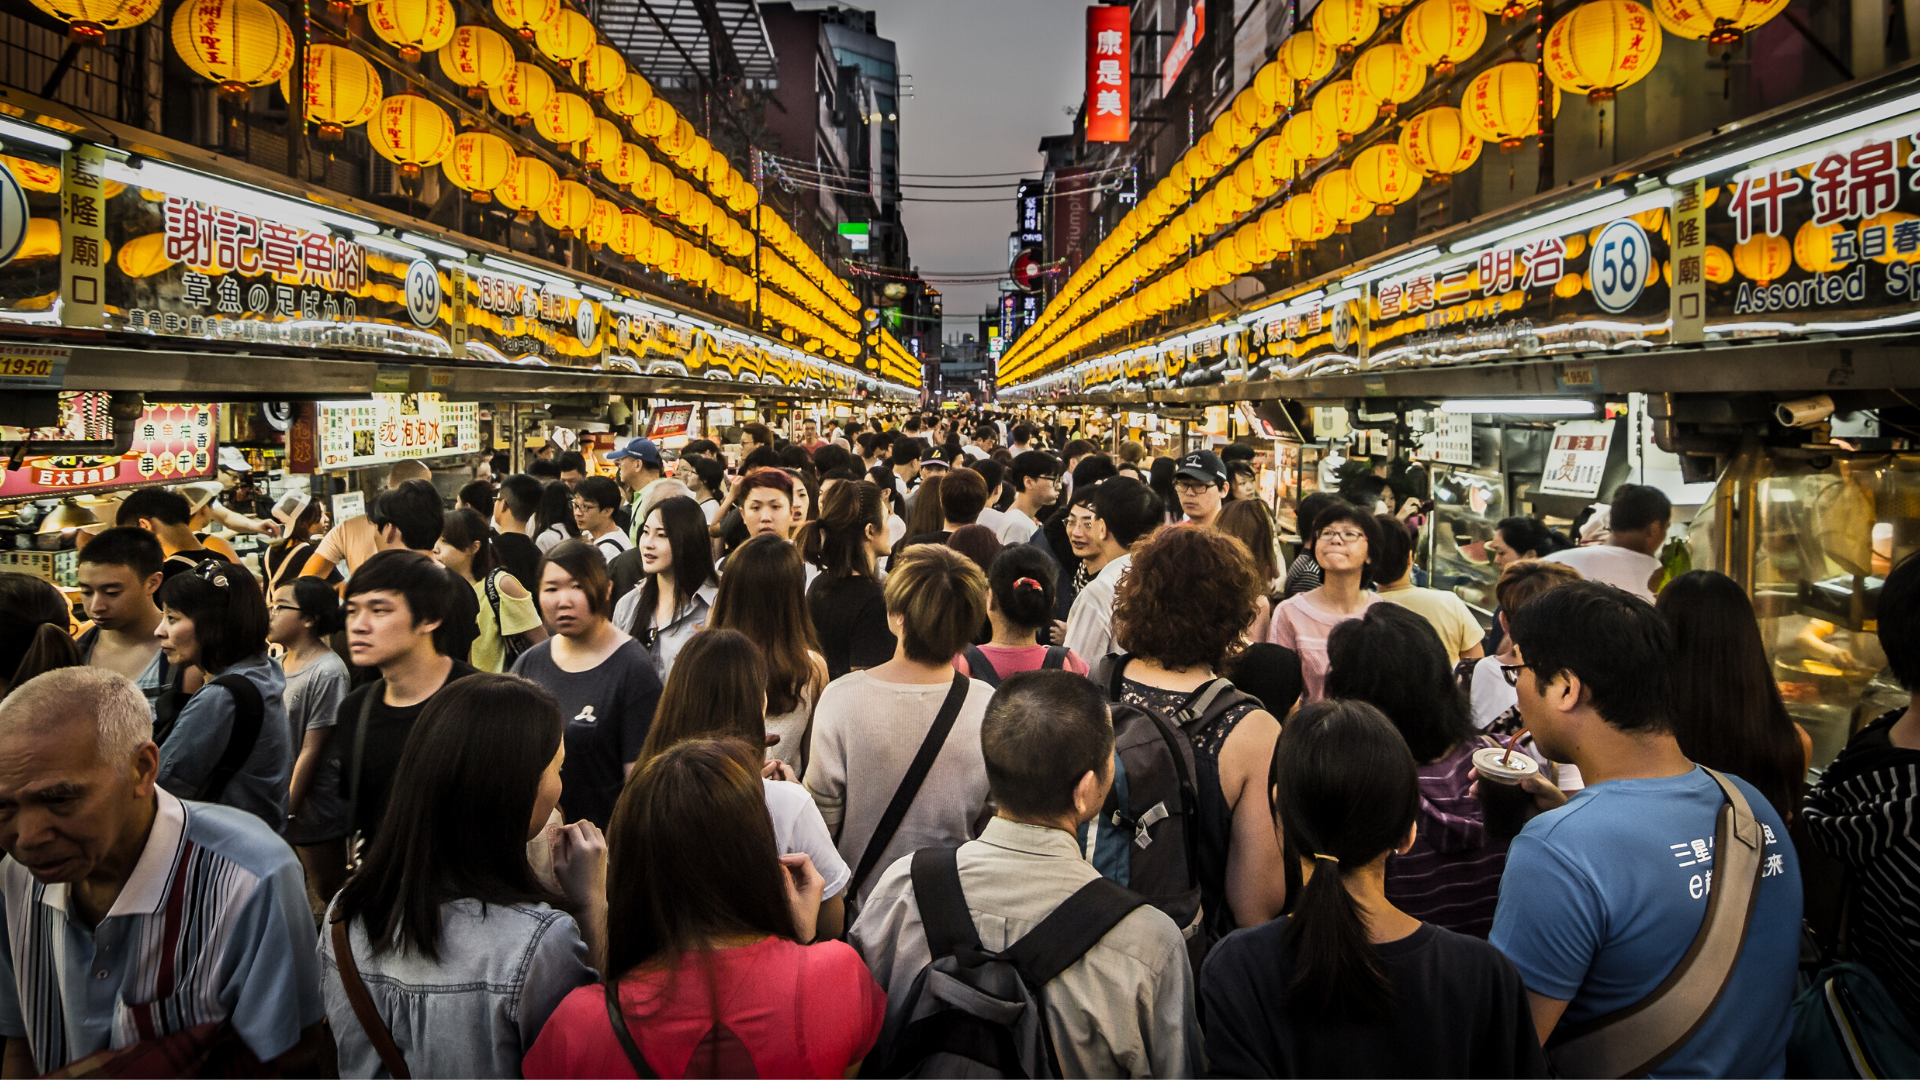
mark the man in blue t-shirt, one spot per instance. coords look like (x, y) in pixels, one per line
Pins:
(1602, 897)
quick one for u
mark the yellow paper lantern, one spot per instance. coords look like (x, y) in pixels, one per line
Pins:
(144, 256)
(1442, 33)
(1717, 22)
(631, 235)
(1308, 139)
(526, 17)
(677, 138)
(567, 38)
(1569, 286)
(601, 225)
(478, 163)
(1305, 220)
(530, 184)
(1390, 74)
(603, 69)
(1274, 86)
(1813, 247)
(566, 118)
(524, 90)
(1886, 222)
(1345, 108)
(1763, 258)
(239, 44)
(42, 240)
(1273, 160)
(1717, 265)
(1273, 230)
(32, 175)
(570, 209)
(342, 89)
(1502, 103)
(476, 58)
(601, 144)
(697, 154)
(657, 185)
(1340, 199)
(89, 20)
(411, 132)
(630, 96)
(1345, 24)
(1600, 47)
(1437, 143)
(1214, 153)
(1382, 175)
(413, 26)
(627, 167)
(1252, 114)
(1307, 58)
(657, 118)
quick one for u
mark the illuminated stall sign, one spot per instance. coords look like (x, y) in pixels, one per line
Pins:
(1599, 289)
(1321, 336)
(1825, 240)
(172, 444)
(514, 321)
(386, 427)
(1109, 73)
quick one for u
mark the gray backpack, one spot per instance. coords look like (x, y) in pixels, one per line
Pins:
(975, 1013)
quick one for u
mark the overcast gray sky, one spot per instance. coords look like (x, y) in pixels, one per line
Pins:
(990, 78)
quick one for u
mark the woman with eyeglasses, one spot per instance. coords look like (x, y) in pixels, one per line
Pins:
(1343, 543)
(304, 612)
(231, 742)
(672, 602)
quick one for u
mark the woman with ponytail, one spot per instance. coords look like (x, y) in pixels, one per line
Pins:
(1350, 985)
(35, 630)
(1020, 588)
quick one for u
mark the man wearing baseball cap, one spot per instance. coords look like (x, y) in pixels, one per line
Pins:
(1201, 482)
(640, 469)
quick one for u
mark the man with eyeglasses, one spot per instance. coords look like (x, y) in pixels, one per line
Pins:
(1200, 480)
(1102, 526)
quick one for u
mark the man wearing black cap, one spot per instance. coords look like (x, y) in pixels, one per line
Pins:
(1201, 482)
(640, 468)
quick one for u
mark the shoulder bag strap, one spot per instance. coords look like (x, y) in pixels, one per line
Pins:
(910, 784)
(1115, 673)
(249, 710)
(493, 599)
(1641, 1037)
(1056, 658)
(620, 1031)
(362, 1002)
(979, 667)
(1066, 934)
(943, 904)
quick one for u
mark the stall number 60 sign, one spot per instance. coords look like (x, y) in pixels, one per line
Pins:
(1622, 259)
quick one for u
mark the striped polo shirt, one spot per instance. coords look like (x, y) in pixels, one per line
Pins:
(212, 925)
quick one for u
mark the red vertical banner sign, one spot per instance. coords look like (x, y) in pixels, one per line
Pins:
(1109, 73)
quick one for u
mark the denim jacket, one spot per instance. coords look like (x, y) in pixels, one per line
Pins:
(503, 970)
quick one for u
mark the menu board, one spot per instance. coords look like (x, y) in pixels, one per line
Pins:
(388, 427)
(172, 444)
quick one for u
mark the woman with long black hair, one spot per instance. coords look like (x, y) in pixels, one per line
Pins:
(763, 595)
(1727, 712)
(1350, 985)
(712, 966)
(673, 599)
(553, 522)
(445, 929)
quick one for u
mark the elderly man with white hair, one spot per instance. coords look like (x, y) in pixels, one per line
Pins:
(131, 916)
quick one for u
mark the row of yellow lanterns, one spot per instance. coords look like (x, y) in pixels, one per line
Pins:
(1594, 50)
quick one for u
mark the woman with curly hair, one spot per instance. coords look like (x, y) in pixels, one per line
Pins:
(1178, 615)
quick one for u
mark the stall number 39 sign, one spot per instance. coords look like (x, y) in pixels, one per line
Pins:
(1620, 268)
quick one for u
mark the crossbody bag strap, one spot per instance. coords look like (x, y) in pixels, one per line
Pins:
(621, 1032)
(362, 1002)
(1637, 1039)
(249, 711)
(910, 784)
(376, 690)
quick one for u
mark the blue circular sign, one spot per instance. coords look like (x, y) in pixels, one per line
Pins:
(13, 215)
(423, 294)
(1620, 266)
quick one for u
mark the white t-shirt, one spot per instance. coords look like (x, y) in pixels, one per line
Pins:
(992, 519)
(711, 508)
(612, 544)
(1492, 697)
(1617, 566)
(798, 827)
(974, 452)
(1015, 526)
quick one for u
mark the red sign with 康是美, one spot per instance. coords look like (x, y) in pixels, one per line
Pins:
(1109, 73)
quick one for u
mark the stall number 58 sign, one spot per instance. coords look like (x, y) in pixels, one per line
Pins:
(1622, 264)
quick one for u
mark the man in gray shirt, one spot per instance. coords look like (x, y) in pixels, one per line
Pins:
(1125, 1008)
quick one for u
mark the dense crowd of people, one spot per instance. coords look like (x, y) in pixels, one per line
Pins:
(951, 747)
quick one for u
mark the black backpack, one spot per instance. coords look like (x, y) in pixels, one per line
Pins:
(249, 712)
(972, 1012)
(1147, 836)
(979, 667)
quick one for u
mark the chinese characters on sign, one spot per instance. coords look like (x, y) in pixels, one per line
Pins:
(1109, 73)
(1577, 459)
(83, 224)
(172, 444)
(388, 426)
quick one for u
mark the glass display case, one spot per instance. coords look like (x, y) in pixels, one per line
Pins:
(1466, 506)
(1811, 533)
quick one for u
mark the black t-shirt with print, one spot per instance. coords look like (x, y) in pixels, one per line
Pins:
(609, 709)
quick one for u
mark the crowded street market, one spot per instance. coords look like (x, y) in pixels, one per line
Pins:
(510, 567)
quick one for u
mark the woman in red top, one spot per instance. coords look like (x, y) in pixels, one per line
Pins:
(715, 979)
(1019, 605)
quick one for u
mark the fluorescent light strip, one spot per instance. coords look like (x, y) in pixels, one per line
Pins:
(1794, 140)
(438, 247)
(205, 187)
(30, 133)
(504, 266)
(378, 242)
(1537, 222)
(1519, 406)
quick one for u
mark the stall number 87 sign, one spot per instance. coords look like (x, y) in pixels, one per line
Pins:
(1620, 268)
